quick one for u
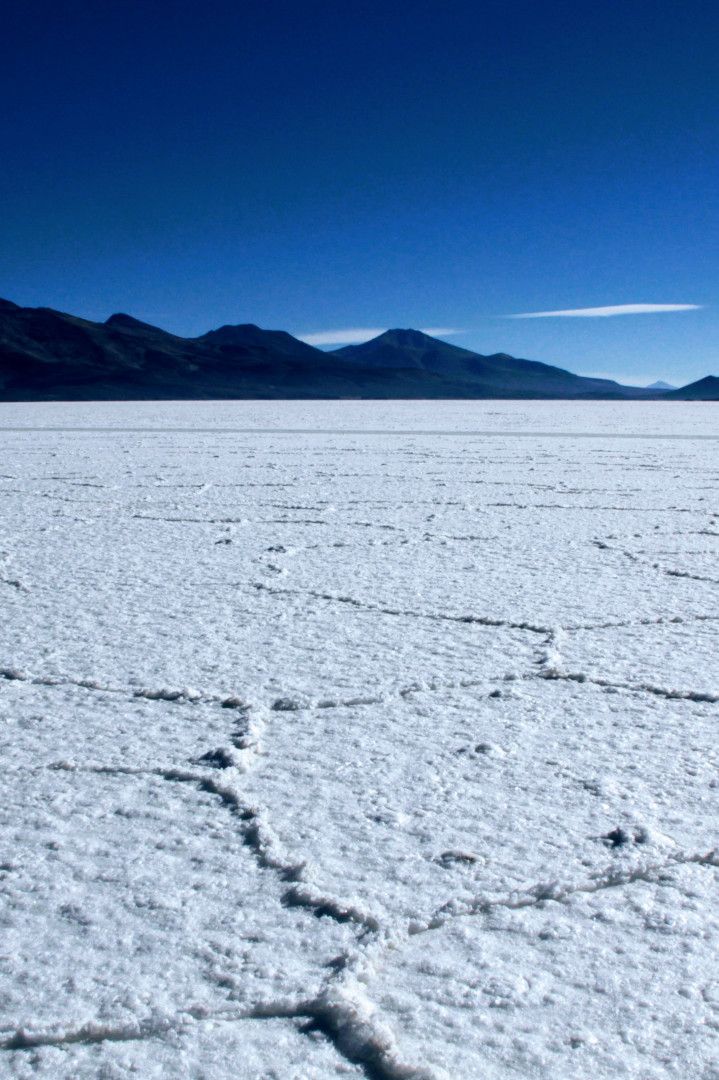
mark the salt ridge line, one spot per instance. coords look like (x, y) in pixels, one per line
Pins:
(342, 1010)
(637, 688)
(558, 891)
(343, 1013)
(14, 583)
(259, 836)
(479, 620)
(186, 695)
(644, 560)
(661, 620)
(189, 696)
(579, 506)
(6, 559)
(551, 668)
(238, 758)
(550, 663)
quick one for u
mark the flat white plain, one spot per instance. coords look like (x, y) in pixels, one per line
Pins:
(359, 739)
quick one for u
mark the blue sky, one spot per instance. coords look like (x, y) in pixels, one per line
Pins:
(322, 167)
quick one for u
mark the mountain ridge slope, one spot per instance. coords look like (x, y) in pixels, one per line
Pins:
(48, 355)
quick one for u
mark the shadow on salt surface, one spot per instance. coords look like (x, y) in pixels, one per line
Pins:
(622, 982)
(406, 805)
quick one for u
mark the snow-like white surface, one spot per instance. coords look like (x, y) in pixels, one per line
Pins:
(359, 739)
(615, 418)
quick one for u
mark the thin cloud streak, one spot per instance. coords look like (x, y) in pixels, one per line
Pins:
(606, 312)
(441, 331)
(358, 334)
(353, 336)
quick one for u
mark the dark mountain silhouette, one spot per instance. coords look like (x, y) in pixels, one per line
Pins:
(706, 389)
(47, 355)
(498, 375)
(248, 335)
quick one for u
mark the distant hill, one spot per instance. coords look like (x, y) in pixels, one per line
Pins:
(660, 385)
(48, 355)
(497, 375)
(706, 389)
(249, 336)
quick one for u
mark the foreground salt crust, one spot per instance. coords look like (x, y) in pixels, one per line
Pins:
(330, 754)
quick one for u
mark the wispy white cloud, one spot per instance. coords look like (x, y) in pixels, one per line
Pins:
(441, 331)
(355, 335)
(605, 312)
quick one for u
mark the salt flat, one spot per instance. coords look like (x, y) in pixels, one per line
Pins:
(359, 739)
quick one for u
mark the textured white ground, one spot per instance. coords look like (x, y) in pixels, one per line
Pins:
(357, 739)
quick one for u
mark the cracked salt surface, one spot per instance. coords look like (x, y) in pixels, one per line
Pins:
(386, 755)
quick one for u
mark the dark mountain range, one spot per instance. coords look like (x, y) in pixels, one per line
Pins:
(47, 355)
(706, 389)
(498, 375)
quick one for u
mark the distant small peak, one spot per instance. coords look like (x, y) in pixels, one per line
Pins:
(661, 385)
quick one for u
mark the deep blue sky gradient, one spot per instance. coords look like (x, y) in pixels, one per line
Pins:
(322, 165)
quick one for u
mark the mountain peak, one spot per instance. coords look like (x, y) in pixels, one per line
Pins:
(404, 348)
(250, 336)
(121, 321)
(706, 389)
(233, 334)
(398, 336)
(51, 355)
